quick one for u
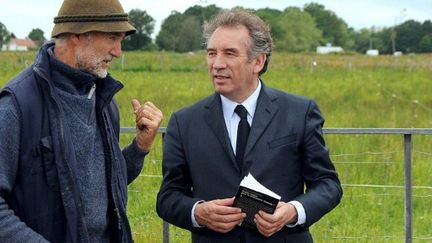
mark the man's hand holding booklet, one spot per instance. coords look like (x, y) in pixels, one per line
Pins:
(252, 197)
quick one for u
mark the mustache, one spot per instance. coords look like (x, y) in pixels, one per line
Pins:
(100, 60)
(220, 73)
(108, 58)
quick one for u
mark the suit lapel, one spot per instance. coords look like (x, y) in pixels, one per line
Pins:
(264, 113)
(213, 116)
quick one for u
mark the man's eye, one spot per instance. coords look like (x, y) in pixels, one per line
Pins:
(115, 38)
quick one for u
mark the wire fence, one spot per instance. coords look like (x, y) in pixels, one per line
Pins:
(389, 196)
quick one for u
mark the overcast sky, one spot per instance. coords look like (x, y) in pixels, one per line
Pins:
(21, 16)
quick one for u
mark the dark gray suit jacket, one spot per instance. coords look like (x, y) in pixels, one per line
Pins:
(285, 152)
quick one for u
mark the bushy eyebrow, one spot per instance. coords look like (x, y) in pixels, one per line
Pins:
(234, 50)
(116, 33)
(120, 35)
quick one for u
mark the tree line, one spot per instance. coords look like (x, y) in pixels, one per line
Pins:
(294, 30)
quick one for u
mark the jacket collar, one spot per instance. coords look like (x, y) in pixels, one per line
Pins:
(106, 88)
(264, 113)
(213, 116)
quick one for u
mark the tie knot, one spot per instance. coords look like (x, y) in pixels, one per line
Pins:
(241, 111)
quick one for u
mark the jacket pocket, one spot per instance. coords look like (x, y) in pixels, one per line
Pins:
(48, 163)
(283, 141)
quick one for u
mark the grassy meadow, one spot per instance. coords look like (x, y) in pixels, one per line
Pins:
(351, 90)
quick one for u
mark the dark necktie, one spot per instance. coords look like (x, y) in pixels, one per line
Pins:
(242, 133)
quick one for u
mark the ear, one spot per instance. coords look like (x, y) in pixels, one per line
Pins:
(75, 39)
(66, 48)
(259, 62)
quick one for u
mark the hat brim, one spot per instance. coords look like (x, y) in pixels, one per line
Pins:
(84, 27)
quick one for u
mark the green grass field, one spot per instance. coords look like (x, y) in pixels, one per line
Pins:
(351, 90)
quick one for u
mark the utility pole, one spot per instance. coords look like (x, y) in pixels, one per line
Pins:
(398, 20)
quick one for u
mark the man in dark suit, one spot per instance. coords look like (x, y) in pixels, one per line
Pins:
(205, 156)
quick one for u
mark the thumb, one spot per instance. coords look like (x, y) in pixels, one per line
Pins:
(135, 104)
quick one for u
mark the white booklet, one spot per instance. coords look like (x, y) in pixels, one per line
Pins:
(252, 197)
(250, 182)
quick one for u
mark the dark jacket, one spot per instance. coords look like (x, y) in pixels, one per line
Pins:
(285, 152)
(46, 194)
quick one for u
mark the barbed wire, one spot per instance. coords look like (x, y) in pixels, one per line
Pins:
(365, 162)
(343, 184)
(422, 152)
(385, 186)
(366, 153)
(361, 237)
(356, 238)
(386, 194)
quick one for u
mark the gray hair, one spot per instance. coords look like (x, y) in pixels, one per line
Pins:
(60, 40)
(260, 40)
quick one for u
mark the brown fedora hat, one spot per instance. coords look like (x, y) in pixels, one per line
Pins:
(82, 16)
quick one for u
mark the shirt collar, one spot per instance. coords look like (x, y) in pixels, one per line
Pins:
(250, 103)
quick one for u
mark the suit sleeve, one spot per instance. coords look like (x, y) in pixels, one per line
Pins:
(175, 200)
(323, 188)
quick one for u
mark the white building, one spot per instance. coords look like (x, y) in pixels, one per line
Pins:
(16, 44)
(329, 49)
(372, 52)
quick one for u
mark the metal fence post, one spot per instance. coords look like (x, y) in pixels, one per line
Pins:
(165, 228)
(165, 232)
(408, 187)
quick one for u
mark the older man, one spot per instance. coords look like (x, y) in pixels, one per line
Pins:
(63, 176)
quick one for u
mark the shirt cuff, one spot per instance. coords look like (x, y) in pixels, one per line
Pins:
(194, 222)
(301, 214)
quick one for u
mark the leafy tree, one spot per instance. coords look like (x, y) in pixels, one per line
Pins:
(4, 35)
(36, 35)
(409, 35)
(383, 40)
(426, 28)
(299, 32)
(190, 35)
(426, 43)
(202, 13)
(373, 38)
(168, 36)
(271, 16)
(183, 32)
(195, 16)
(334, 29)
(144, 24)
(364, 40)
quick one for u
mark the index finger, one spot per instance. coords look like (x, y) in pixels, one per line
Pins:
(225, 201)
(151, 105)
(223, 206)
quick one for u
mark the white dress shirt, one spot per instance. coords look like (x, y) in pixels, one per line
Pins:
(232, 119)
